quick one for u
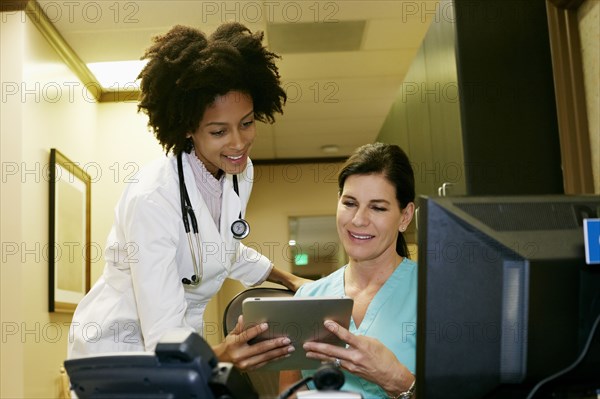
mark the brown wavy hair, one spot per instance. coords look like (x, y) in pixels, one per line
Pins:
(187, 70)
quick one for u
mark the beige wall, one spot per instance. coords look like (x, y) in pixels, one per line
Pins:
(41, 114)
(12, 39)
(52, 117)
(589, 30)
(45, 106)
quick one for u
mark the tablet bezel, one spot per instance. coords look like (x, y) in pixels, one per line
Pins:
(299, 318)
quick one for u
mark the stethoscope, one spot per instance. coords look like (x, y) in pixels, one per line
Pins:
(240, 228)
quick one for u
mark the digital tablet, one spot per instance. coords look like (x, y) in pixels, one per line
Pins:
(299, 318)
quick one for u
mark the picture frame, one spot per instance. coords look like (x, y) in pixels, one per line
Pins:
(69, 246)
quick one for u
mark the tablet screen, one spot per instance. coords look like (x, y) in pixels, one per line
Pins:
(299, 318)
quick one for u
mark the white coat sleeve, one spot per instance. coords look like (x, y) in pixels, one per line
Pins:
(159, 294)
(251, 268)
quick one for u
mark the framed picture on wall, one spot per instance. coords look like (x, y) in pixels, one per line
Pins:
(69, 233)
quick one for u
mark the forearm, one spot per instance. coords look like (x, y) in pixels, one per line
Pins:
(286, 279)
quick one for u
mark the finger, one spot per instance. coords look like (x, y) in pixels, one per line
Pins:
(252, 331)
(263, 357)
(268, 345)
(271, 357)
(341, 332)
(338, 361)
(321, 356)
(318, 350)
(239, 326)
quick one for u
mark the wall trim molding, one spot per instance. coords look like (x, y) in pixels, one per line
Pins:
(13, 5)
(121, 96)
(566, 4)
(41, 21)
(288, 161)
(570, 96)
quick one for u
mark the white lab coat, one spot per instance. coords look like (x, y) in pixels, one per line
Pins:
(140, 295)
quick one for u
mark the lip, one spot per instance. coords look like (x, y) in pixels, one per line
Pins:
(360, 237)
(242, 158)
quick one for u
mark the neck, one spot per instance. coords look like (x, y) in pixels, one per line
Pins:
(373, 272)
(217, 174)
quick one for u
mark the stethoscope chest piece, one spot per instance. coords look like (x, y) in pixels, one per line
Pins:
(240, 229)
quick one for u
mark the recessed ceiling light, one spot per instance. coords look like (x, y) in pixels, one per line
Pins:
(330, 149)
(118, 75)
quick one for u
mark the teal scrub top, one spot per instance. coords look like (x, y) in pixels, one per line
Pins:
(391, 318)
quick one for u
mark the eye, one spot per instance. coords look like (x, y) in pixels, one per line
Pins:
(248, 123)
(379, 209)
(218, 133)
(348, 204)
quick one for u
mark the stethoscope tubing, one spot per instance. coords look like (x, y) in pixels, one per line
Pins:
(188, 212)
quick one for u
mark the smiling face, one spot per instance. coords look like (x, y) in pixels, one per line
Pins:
(225, 134)
(369, 217)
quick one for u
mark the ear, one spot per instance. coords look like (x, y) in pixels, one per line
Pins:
(407, 215)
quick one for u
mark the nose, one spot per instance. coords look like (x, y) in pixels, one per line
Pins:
(360, 217)
(237, 140)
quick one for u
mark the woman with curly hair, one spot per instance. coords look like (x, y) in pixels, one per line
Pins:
(202, 96)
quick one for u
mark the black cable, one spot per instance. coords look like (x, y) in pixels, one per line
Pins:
(237, 191)
(182, 194)
(327, 378)
(572, 366)
(288, 392)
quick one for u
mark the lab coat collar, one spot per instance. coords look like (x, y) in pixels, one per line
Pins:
(212, 239)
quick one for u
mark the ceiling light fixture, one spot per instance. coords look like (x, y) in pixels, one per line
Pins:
(118, 75)
(330, 149)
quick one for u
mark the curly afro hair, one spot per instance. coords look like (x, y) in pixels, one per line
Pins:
(186, 71)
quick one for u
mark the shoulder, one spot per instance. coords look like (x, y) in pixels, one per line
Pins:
(405, 277)
(333, 284)
(157, 173)
(409, 264)
(155, 181)
(406, 271)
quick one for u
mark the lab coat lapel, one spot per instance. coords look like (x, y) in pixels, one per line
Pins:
(212, 242)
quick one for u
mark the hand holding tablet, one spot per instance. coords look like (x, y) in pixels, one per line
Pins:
(299, 318)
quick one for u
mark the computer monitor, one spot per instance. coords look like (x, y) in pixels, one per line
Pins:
(505, 298)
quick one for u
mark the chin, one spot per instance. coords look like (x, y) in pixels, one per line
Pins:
(232, 167)
(359, 255)
(234, 170)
